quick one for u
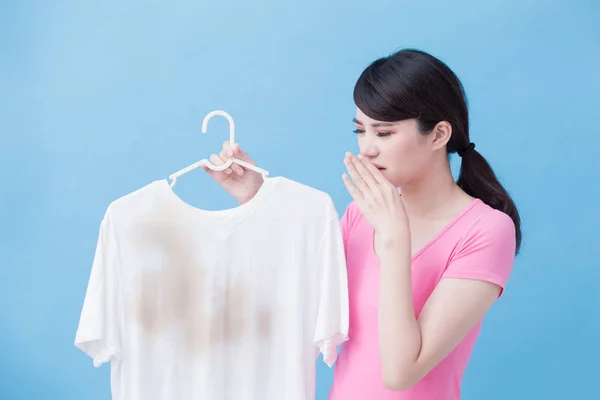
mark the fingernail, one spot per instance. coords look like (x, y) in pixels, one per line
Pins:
(360, 157)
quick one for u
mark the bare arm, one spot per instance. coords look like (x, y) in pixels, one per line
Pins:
(411, 348)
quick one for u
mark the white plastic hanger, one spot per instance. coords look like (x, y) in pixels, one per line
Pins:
(207, 162)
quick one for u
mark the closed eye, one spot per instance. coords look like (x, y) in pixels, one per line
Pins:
(380, 134)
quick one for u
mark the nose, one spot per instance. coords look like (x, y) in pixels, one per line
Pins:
(368, 147)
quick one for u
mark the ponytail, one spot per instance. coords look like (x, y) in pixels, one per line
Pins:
(477, 179)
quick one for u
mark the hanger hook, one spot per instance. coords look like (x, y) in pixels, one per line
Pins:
(231, 124)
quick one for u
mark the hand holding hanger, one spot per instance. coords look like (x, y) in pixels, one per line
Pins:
(237, 180)
(232, 169)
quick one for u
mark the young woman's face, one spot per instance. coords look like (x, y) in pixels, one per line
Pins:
(397, 149)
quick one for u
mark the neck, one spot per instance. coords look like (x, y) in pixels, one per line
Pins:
(430, 197)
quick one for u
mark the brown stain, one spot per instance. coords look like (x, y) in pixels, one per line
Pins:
(175, 293)
(264, 321)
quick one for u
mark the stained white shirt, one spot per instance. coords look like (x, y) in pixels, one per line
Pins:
(231, 304)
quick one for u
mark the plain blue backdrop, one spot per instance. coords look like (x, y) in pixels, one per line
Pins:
(99, 98)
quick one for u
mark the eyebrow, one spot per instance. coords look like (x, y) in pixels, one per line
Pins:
(376, 125)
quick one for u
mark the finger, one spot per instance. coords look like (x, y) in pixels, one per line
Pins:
(364, 171)
(216, 160)
(241, 154)
(354, 192)
(235, 153)
(227, 150)
(358, 180)
(225, 155)
(238, 169)
(375, 173)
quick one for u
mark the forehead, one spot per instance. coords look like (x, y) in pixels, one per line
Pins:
(362, 119)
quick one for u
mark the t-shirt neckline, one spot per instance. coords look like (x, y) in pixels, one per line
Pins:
(222, 220)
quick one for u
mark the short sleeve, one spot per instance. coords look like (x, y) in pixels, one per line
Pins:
(346, 223)
(98, 330)
(331, 328)
(487, 253)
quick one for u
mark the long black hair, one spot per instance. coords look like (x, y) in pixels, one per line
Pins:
(414, 84)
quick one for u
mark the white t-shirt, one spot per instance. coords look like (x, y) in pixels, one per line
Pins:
(231, 304)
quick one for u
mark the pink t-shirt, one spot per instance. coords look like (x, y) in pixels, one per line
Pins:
(478, 244)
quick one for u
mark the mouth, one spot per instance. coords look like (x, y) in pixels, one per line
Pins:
(379, 167)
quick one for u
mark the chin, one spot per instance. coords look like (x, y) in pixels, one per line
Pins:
(390, 177)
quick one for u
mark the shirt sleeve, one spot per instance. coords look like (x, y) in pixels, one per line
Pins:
(487, 253)
(331, 327)
(346, 223)
(98, 330)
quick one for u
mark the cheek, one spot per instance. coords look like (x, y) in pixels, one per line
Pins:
(400, 153)
(405, 159)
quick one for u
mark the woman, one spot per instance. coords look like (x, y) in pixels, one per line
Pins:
(426, 261)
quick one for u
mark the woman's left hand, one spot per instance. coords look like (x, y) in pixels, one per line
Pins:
(377, 199)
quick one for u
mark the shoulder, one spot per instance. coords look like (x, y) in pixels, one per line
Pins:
(136, 202)
(299, 191)
(302, 200)
(351, 215)
(352, 211)
(489, 227)
(486, 249)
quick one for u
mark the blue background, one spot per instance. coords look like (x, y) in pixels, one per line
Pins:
(99, 98)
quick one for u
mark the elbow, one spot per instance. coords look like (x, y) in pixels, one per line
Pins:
(397, 379)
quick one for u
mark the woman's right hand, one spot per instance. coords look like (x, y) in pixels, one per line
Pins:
(237, 180)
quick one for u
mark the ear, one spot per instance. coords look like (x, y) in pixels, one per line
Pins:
(441, 134)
